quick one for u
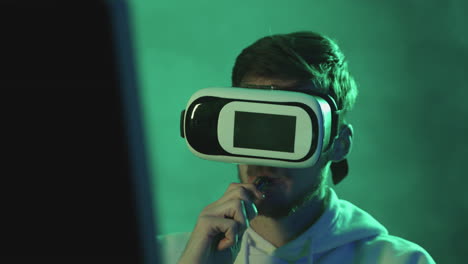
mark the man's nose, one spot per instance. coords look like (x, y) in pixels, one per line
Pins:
(255, 170)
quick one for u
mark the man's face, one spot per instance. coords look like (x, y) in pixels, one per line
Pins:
(290, 187)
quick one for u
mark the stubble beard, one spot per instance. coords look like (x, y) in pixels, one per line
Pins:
(278, 208)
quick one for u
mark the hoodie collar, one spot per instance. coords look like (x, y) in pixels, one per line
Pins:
(340, 224)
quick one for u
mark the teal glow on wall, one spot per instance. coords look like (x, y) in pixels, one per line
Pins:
(410, 61)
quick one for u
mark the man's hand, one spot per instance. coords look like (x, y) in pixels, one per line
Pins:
(220, 225)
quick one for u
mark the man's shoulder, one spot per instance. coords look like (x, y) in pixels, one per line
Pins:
(171, 246)
(387, 248)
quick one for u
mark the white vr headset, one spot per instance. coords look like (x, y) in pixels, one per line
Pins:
(276, 128)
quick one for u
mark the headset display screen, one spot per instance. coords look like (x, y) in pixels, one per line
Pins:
(264, 131)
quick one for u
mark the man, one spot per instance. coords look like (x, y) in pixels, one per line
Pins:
(300, 219)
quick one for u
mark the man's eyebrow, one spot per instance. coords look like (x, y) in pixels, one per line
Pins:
(271, 86)
(298, 86)
(247, 85)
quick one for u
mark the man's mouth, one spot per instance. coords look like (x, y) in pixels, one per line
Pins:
(264, 183)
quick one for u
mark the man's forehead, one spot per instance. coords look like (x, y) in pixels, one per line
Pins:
(261, 81)
(280, 84)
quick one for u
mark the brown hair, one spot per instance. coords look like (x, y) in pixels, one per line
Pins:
(301, 56)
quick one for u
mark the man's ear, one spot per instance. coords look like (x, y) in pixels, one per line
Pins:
(342, 144)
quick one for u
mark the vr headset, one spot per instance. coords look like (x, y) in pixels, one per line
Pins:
(278, 128)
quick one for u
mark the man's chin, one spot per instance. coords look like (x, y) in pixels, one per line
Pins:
(276, 205)
(276, 214)
(273, 210)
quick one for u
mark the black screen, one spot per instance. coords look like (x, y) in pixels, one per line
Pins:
(264, 131)
(68, 186)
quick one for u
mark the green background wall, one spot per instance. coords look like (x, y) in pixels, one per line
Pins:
(410, 60)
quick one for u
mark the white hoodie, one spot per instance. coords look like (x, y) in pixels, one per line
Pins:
(343, 234)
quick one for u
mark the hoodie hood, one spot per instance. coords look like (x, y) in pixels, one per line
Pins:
(341, 223)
